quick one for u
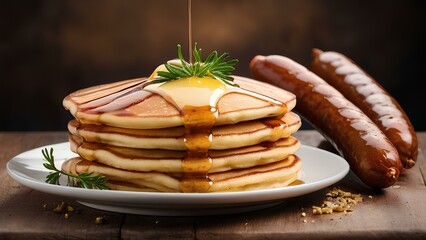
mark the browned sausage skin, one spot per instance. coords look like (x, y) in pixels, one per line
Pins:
(368, 151)
(367, 94)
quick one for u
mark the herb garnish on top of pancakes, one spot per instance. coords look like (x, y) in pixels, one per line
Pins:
(214, 66)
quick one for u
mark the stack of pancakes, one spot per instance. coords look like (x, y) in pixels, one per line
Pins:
(142, 139)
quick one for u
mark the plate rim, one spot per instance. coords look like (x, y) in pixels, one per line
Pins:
(181, 199)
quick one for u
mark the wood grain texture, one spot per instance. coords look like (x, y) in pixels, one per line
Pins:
(152, 227)
(394, 213)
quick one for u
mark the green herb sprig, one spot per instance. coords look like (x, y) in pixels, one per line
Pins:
(83, 180)
(213, 66)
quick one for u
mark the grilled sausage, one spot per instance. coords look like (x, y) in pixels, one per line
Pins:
(367, 94)
(369, 152)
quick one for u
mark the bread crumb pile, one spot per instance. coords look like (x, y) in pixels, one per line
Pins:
(337, 200)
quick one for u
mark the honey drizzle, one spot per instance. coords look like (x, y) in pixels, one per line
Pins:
(190, 31)
(278, 127)
(198, 122)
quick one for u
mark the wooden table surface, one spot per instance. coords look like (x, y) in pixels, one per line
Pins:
(398, 212)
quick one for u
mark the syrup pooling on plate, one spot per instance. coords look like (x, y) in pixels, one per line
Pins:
(197, 99)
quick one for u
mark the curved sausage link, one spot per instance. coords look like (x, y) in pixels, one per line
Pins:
(367, 94)
(368, 151)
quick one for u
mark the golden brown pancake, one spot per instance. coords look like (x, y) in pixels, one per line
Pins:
(147, 160)
(188, 135)
(223, 137)
(126, 104)
(277, 174)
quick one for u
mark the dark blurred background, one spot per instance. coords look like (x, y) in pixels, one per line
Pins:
(51, 48)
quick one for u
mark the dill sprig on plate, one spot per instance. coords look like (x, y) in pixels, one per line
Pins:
(83, 180)
(214, 66)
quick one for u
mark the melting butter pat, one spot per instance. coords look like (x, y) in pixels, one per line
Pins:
(191, 91)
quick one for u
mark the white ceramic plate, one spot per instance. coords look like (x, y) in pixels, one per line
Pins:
(320, 169)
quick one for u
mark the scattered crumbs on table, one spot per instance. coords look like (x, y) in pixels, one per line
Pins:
(67, 210)
(337, 200)
(70, 208)
(100, 220)
(61, 208)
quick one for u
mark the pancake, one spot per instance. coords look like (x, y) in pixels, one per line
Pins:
(223, 137)
(126, 104)
(191, 134)
(277, 174)
(147, 160)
